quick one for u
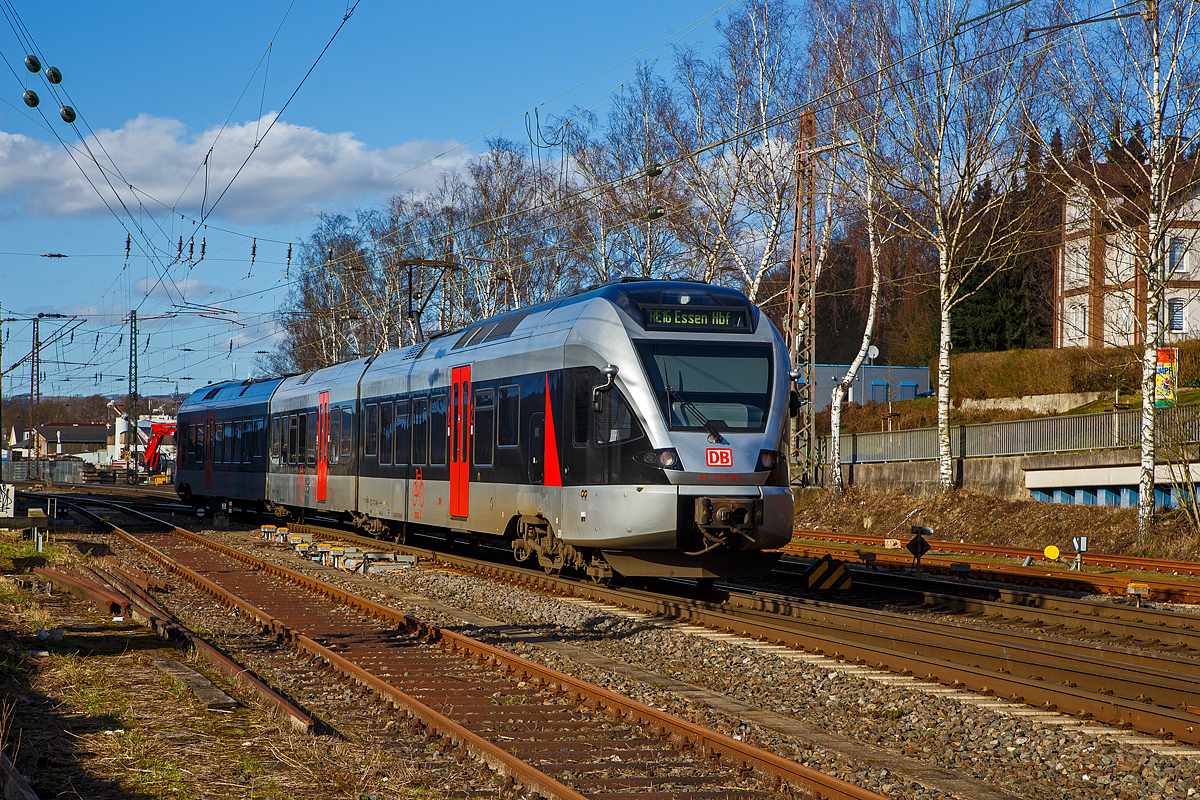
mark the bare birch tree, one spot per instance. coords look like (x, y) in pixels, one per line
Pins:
(958, 104)
(1121, 68)
(860, 37)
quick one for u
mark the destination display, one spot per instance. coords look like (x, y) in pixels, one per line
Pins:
(696, 318)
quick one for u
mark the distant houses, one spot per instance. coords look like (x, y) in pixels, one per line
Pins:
(57, 438)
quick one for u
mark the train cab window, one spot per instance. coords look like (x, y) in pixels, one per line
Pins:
(275, 440)
(615, 421)
(371, 430)
(348, 434)
(483, 430)
(438, 432)
(420, 431)
(293, 443)
(401, 436)
(508, 422)
(312, 438)
(385, 433)
(335, 434)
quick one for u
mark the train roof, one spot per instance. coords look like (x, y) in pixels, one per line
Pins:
(231, 392)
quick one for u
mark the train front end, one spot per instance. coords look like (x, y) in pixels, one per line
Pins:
(706, 376)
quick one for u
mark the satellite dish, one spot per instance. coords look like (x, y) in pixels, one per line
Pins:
(872, 352)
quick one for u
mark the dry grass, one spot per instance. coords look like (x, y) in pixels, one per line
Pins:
(983, 518)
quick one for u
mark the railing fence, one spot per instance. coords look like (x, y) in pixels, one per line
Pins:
(1175, 426)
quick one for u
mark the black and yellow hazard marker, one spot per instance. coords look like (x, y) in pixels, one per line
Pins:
(827, 574)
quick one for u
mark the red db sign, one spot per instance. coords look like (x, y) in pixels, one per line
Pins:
(718, 457)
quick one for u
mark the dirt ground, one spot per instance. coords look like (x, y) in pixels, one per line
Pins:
(975, 517)
(85, 713)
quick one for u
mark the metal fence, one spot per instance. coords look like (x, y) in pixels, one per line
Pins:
(51, 471)
(1178, 425)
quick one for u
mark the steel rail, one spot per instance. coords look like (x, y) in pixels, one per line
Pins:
(1122, 712)
(1079, 581)
(1147, 625)
(740, 754)
(1126, 673)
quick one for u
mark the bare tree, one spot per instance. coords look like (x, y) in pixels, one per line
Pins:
(958, 98)
(729, 148)
(861, 36)
(1121, 69)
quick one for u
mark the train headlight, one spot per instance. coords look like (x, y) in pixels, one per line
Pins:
(667, 458)
(767, 460)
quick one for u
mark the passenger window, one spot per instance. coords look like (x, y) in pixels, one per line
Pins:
(420, 431)
(275, 440)
(371, 429)
(348, 434)
(219, 443)
(301, 439)
(437, 429)
(385, 433)
(335, 434)
(509, 417)
(312, 438)
(402, 433)
(484, 426)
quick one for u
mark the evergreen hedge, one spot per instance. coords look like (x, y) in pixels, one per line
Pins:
(1019, 373)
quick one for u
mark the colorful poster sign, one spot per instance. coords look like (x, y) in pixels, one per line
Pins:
(1165, 373)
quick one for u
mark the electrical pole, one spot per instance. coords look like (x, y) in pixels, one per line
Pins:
(802, 301)
(35, 399)
(133, 392)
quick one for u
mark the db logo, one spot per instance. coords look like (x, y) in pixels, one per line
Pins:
(718, 457)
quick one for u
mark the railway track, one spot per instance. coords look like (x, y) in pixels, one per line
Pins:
(1080, 582)
(1155, 693)
(537, 728)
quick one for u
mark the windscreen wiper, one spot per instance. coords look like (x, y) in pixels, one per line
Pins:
(689, 405)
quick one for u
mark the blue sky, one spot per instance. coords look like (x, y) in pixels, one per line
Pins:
(405, 91)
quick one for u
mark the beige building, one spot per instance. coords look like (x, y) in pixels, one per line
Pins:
(1100, 265)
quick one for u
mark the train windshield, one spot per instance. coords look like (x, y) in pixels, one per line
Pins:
(705, 386)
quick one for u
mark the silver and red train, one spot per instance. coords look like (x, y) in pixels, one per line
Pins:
(638, 428)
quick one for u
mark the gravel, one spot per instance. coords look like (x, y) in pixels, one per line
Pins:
(1023, 757)
(1020, 756)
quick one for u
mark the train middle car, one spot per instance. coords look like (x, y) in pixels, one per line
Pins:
(635, 428)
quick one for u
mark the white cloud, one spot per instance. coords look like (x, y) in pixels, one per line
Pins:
(294, 172)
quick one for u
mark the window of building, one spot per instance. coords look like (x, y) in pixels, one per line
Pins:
(508, 423)
(1175, 309)
(1078, 322)
(908, 391)
(1176, 255)
(879, 391)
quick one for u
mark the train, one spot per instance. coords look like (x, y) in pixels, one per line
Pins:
(638, 428)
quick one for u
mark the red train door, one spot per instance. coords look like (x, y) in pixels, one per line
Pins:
(460, 441)
(322, 444)
(209, 427)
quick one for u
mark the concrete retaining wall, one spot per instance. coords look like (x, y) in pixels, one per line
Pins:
(1003, 476)
(1038, 404)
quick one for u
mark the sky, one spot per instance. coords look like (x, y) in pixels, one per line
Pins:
(172, 100)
